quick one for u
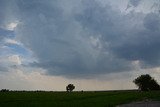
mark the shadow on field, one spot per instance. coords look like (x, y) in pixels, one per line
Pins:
(142, 104)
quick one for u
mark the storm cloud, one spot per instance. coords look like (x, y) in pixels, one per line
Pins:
(84, 38)
(135, 3)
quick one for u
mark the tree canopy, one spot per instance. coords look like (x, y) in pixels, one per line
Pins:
(146, 83)
(70, 87)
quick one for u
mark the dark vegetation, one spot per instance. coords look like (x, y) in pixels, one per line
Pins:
(4, 90)
(74, 99)
(146, 83)
(70, 87)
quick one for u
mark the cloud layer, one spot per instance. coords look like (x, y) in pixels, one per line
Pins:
(85, 38)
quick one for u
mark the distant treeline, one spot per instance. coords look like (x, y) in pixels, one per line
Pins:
(7, 90)
(4, 90)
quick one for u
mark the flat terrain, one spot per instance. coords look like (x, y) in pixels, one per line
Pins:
(142, 104)
(74, 99)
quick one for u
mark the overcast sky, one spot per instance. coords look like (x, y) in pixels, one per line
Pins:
(94, 44)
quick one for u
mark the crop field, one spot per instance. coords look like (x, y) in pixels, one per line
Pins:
(73, 99)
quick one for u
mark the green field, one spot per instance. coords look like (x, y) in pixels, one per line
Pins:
(74, 99)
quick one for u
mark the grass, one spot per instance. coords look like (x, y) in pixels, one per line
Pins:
(75, 99)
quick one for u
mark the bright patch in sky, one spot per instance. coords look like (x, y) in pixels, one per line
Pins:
(11, 26)
(12, 41)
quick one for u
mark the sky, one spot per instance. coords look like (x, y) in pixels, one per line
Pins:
(93, 44)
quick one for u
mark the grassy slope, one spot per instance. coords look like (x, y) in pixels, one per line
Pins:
(75, 99)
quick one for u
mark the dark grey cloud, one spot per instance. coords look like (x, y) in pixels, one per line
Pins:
(7, 9)
(2, 11)
(67, 45)
(144, 45)
(152, 22)
(86, 38)
(135, 3)
(3, 68)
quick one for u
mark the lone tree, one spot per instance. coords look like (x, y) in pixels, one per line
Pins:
(146, 83)
(70, 87)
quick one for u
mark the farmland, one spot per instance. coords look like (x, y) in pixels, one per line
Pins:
(74, 99)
